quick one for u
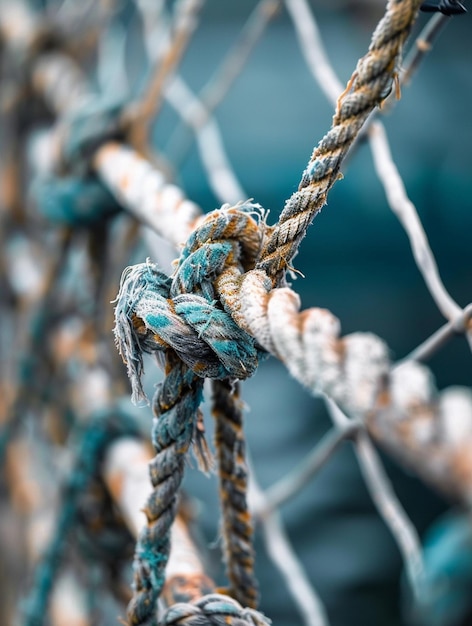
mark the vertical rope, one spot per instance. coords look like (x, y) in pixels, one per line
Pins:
(368, 87)
(232, 470)
(175, 408)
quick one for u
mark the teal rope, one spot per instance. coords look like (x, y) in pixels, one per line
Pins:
(179, 319)
(73, 201)
(175, 408)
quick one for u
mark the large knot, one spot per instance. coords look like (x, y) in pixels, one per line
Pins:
(155, 313)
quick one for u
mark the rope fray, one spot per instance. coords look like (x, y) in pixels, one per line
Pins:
(155, 313)
(368, 87)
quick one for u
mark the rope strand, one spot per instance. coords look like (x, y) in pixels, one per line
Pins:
(368, 87)
(233, 478)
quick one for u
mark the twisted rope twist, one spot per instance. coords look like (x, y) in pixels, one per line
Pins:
(233, 477)
(175, 408)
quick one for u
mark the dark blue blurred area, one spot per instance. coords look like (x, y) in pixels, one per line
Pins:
(357, 262)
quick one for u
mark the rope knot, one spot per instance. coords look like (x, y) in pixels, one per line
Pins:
(156, 313)
(214, 609)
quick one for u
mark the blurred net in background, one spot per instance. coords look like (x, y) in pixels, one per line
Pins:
(227, 128)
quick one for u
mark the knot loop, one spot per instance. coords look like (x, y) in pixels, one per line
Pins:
(213, 610)
(155, 313)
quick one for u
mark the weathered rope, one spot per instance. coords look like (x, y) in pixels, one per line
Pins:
(180, 318)
(233, 478)
(369, 86)
(155, 313)
(175, 409)
(213, 610)
(431, 434)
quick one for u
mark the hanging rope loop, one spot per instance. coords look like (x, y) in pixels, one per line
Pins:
(213, 610)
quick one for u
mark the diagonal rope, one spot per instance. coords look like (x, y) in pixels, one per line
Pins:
(368, 87)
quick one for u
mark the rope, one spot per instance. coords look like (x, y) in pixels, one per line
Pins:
(213, 610)
(236, 520)
(103, 429)
(175, 408)
(368, 87)
(73, 201)
(155, 313)
(400, 405)
(179, 318)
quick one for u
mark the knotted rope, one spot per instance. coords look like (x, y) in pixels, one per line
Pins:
(239, 260)
(180, 318)
(370, 84)
(213, 610)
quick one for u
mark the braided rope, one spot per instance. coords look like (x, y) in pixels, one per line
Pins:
(237, 527)
(368, 87)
